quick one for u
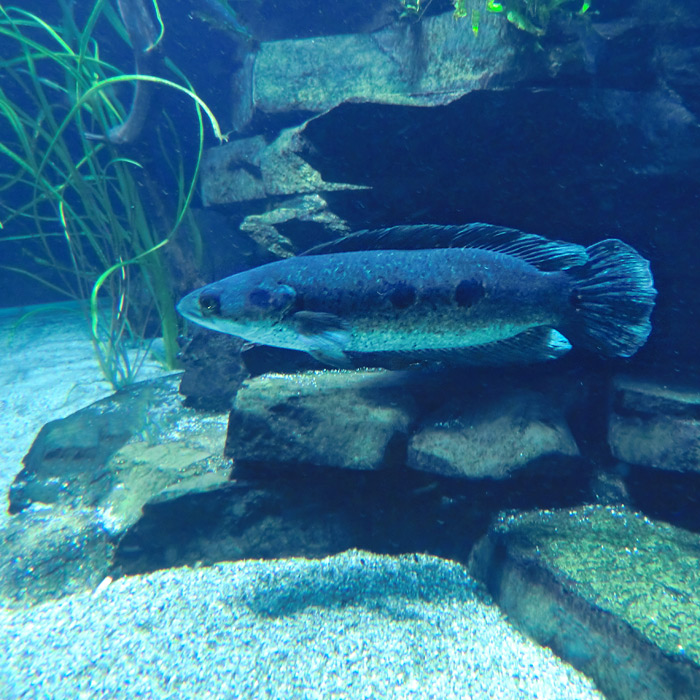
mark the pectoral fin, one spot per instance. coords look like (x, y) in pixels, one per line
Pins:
(324, 336)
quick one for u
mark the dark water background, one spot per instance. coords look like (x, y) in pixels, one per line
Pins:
(548, 159)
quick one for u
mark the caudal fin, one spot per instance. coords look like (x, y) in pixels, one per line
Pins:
(613, 297)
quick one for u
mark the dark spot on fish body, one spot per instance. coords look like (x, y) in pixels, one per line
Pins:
(277, 298)
(468, 292)
(259, 297)
(402, 295)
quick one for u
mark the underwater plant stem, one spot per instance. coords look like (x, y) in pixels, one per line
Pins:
(143, 37)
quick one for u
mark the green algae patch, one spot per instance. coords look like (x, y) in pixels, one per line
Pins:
(612, 592)
(644, 572)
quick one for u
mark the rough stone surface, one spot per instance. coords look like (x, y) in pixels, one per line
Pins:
(119, 452)
(333, 418)
(214, 371)
(253, 168)
(491, 438)
(432, 63)
(609, 590)
(88, 476)
(305, 209)
(276, 513)
(49, 552)
(655, 424)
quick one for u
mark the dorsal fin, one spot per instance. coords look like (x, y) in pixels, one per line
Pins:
(540, 252)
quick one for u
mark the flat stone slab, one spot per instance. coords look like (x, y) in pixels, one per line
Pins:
(492, 438)
(118, 453)
(434, 62)
(610, 591)
(254, 168)
(655, 424)
(329, 418)
(251, 170)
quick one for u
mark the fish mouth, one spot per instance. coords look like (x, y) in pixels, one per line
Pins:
(188, 307)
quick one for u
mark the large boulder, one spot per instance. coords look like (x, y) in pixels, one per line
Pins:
(610, 591)
(119, 452)
(87, 478)
(432, 63)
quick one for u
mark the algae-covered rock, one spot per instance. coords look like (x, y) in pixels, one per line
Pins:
(253, 168)
(432, 63)
(655, 424)
(214, 370)
(334, 418)
(492, 438)
(87, 478)
(118, 453)
(609, 590)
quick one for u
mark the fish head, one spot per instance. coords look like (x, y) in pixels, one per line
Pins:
(240, 306)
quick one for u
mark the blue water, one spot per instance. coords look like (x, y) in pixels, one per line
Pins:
(592, 132)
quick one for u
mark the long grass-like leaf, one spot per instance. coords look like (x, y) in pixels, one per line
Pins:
(40, 280)
(34, 20)
(82, 192)
(102, 84)
(109, 271)
(161, 26)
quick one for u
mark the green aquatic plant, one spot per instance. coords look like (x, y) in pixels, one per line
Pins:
(462, 10)
(533, 16)
(413, 10)
(75, 205)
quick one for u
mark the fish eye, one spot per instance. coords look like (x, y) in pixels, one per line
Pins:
(210, 303)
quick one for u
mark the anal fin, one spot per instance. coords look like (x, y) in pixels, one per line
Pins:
(534, 345)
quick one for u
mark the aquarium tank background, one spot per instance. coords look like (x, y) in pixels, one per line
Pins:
(349, 349)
